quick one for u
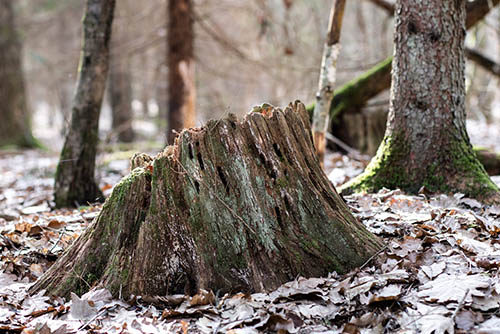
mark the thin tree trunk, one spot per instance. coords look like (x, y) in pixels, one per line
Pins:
(181, 75)
(234, 205)
(120, 80)
(15, 128)
(120, 98)
(426, 142)
(327, 77)
(74, 182)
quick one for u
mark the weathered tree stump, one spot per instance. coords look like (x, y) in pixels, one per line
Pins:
(234, 205)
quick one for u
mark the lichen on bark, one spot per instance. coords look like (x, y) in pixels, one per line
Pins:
(234, 205)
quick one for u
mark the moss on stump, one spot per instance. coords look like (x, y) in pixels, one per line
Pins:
(234, 205)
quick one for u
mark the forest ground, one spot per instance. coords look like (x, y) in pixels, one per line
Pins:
(438, 272)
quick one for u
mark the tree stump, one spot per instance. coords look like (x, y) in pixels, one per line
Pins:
(234, 205)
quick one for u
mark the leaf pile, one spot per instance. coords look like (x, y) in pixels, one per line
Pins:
(437, 274)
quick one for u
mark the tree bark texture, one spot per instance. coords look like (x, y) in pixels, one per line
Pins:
(74, 182)
(234, 205)
(181, 74)
(327, 77)
(15, 125)
(426, 143)
(120, 98)
(352, 96)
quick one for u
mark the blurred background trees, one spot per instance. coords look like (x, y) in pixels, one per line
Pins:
(15, 125)
(246, 53)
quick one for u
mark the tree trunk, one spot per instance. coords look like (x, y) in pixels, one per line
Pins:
(234, 205)
(181, 80)
(74, 182)
(120, 98)
(15, 125)
(426, 143)
(352, 96)
(327, 77)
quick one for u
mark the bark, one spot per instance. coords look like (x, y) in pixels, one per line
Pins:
(120, 98)
(356, 93)
(426, 143)
(181, 81)
(74, 182)
(234, 205)
(15, 125)
(327, 78)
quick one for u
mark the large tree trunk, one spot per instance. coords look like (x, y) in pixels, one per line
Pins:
(74, 182)
(426, 143)
(181, 80)
(232, 205)
(15, 125)
(352, 96)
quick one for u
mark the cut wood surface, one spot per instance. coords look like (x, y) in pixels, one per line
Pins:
(234, 205)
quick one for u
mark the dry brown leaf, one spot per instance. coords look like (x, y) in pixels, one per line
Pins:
(56, 224)
(203, 297)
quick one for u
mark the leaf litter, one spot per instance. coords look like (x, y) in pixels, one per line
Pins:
(438, 272)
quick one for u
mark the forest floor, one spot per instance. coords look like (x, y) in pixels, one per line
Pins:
(438, 272)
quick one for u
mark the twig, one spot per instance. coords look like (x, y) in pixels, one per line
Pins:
(460, 305)
(373, 256)
(95, 317)
(59, 239)
(351, 151)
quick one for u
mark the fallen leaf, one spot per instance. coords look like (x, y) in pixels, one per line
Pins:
(447, 288)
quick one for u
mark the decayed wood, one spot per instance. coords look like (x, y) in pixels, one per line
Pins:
(234, 205)
(327, 77)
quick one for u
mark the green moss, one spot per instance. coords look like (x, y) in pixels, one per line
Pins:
(476, 182)
(282, 182)
(456, 170)
(349, 94)
(382, 170)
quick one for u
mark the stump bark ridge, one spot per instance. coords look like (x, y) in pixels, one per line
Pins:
(233, 205)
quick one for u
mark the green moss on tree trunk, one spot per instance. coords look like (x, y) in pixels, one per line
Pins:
(426, 143)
